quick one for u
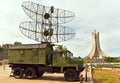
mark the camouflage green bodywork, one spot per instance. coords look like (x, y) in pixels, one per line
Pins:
(41, 54)
(29, 53)
(66, 61)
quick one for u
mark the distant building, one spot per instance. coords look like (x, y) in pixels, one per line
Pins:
(96, 53)
(4, 53)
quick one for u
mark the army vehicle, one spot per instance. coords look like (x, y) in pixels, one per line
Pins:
(33, 60)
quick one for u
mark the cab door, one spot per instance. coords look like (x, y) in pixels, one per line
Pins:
(59, 59)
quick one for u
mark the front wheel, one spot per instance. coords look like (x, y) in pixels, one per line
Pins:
(71, 75)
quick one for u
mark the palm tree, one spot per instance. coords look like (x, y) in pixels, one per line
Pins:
(60, 50)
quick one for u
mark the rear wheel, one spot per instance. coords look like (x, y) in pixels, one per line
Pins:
(18, 72)
(71, 75)
(30, 73)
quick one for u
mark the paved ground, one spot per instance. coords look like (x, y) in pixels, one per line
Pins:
(46, 78)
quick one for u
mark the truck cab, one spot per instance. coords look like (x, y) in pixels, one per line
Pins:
(70, 66)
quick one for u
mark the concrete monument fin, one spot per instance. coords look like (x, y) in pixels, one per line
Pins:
(96, 51)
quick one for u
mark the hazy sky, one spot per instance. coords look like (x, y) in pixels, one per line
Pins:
(90, 15)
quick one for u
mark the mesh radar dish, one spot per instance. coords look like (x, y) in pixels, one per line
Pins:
(42, 13)
(54, 34)
(45, 25)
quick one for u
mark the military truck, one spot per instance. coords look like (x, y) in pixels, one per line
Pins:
(33, 60)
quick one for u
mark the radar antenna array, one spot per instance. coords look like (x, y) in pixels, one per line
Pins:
(45, 25)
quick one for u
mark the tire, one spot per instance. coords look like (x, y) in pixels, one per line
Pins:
(18, 73)
(71, 75)
(30, 73)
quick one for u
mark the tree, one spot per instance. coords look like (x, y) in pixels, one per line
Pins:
(79, 57)
(111, 59)
(17, 43)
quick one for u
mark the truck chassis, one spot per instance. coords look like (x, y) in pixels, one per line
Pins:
(31, 71)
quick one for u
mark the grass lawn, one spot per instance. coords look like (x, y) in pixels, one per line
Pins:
(106, 76)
